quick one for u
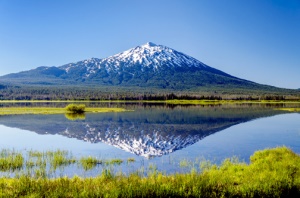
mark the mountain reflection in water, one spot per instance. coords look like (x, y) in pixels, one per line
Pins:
(147, 131)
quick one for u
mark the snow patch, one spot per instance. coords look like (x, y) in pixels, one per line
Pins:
(149, 55)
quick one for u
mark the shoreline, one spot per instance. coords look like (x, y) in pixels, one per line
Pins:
(175, 101)
(271, 173)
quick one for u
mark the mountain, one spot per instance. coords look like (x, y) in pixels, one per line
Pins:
(148, 65)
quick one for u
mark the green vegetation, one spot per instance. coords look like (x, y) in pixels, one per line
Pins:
(89, 162)
(289, 109)
(114, 161)
(37, 160)
(130, 160)
(209, 102)
(185, 163)
(128, 93)
(10, 160)
(60, 158)
(74, 108)
(271, 173)
(42, 164)
(71, 111)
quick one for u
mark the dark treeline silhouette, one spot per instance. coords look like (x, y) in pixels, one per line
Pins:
(71, 93)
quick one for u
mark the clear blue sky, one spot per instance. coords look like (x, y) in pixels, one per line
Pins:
(258, 40)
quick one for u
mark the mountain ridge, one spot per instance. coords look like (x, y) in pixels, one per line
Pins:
(144, 67)
(150, 59)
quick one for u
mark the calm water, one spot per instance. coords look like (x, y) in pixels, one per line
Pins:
(156, 134)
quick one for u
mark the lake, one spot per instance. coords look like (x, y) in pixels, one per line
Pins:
(167, 137)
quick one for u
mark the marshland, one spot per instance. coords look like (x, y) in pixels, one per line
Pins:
(150, 149)
(270, 173)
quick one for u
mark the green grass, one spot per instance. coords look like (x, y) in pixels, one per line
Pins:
(53, 110)
(75, 108)
(289, 109)
(37, 161)
(49, 161)
(114, 162)
(208, 102)
(60, 158)
(185, 163)
(130, 160)
(10, 160)
(89, 162)
(271, 173)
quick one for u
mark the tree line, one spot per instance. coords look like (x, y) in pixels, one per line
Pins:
(83, 93)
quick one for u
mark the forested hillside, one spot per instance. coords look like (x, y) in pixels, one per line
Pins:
(134, 93)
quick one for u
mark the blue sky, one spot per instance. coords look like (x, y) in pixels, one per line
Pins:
(258, 40)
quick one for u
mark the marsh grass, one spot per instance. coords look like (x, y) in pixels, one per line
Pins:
(76, 108)
(53, 110)
(60, 158)
(185, 163)
(114, 162)
(89, 162)
(54, 158)
(11, 160)
(271, 173)
(45, 164)
(130, 160)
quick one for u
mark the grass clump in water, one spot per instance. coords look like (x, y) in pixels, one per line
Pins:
(36, 158)
(60, 158)
(37, 154)
(130, 160)
(10, 160)
(114, 162)
(185, 163)
(89, 162)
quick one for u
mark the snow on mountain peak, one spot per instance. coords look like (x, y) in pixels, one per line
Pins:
(149, 55)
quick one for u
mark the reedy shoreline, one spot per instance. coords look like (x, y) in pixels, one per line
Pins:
(271, 173)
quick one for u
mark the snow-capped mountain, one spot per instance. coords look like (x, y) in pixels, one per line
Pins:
(151, 55)
(147, 56)
(148, 65)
